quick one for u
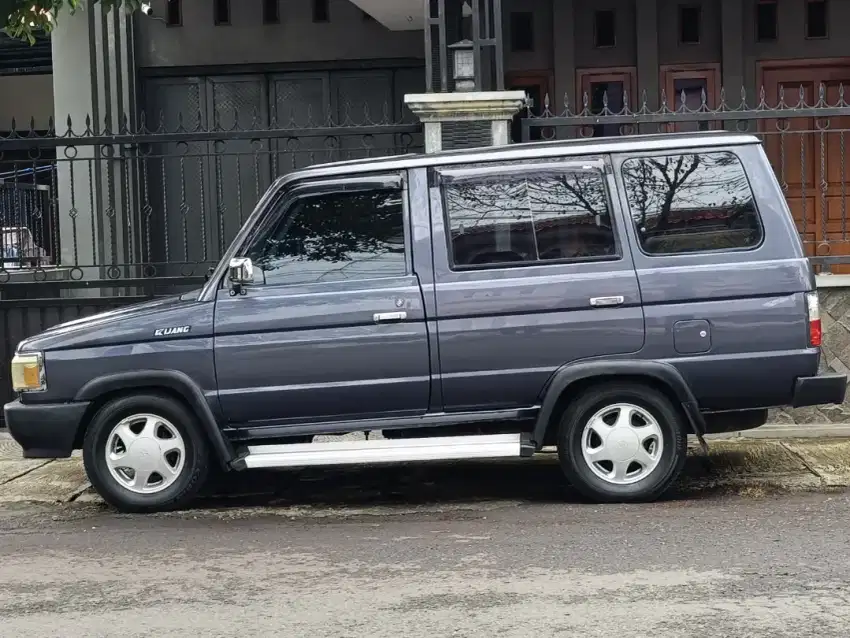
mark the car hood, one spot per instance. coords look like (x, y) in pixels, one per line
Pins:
(131, 324)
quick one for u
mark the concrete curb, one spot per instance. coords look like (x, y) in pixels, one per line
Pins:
(790, 431)
(740, 465)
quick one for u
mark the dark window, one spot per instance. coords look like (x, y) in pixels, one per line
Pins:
(321, 11)
(509, 219)
(522, 31)
(816, 19)
(691, 203)
(271, 11)
(766, 21)
(336, 236)
(689, 25)
(173, 17)
(604, 29)
(222, 12)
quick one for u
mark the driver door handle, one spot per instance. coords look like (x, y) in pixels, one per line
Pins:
(604, 302)
(389, 317)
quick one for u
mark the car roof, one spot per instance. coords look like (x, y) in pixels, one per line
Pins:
(527, 151)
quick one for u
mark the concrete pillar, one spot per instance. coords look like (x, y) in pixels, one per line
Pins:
(94, 87)
(465, 120)
(732, 53)
(648, 80)
(563, 29)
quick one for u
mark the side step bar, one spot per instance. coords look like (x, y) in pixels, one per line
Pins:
(490, 446)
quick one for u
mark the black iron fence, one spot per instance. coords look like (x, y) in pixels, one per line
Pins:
(804, 130)
(93, 217)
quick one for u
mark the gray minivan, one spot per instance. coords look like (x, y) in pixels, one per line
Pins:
(607, 296)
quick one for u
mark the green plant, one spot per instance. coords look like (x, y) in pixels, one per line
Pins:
(23, 19)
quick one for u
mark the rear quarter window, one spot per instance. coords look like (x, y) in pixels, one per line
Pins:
(691, 203)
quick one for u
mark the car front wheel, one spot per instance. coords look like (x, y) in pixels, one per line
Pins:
(146, 453)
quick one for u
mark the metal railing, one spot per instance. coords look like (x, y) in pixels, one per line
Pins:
(805, 139)
(153, 204)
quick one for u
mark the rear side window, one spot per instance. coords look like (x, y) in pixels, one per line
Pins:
(512, 219)
(693, 202)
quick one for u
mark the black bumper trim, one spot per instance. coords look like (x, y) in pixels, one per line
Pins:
(45, 431)
(820, 390)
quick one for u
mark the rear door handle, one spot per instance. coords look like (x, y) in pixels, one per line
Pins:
(389, 317)
(602, 302)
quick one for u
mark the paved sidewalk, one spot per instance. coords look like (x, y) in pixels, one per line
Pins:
(744, 465)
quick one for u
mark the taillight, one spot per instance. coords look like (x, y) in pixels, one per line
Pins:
(813, 309)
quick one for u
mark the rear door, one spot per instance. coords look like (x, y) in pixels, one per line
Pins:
(721, 273)
(334, 326)
(532, 272)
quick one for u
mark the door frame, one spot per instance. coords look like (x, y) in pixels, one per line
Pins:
(814, 70)
(544, 78)
(710, 72)
(763, 66)
(277, 207)
(625, 74)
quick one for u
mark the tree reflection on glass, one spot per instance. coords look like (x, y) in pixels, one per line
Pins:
(333, 236)
(691, 203)
(545, 216)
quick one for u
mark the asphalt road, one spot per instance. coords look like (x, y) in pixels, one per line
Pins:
(697, 566)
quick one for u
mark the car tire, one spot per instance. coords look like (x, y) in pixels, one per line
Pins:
(146, 453)
(622, 442)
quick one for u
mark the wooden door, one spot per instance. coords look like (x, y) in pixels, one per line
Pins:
(694, 87)
(538, 87)
(611, 89)
(809, 154)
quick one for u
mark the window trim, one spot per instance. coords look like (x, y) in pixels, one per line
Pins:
(271, 17)
(321, 11)
(532, 35)
(756, 37)
(827, 11)
(682, 9)
(460, 174)
(219, 20)
(621, 159)
(596, 13)
(283, 200)
(175, 6)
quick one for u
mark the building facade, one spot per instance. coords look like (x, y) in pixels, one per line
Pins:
(301, 65)
(130, 155)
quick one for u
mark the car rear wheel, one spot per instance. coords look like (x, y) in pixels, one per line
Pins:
(146, 453)
(622, 442)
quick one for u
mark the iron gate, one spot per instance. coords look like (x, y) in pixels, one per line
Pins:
(97, 217)
(804, 136)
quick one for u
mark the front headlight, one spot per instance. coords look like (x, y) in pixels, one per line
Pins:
(28, 373)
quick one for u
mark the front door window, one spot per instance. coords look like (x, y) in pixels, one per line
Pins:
(335, 236)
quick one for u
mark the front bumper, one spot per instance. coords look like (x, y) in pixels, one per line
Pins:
(820, 390)
(45, 431)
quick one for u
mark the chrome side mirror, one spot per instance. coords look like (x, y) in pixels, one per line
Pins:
(240, 272)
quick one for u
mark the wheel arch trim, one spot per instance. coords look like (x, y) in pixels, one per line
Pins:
(657, 371)
(174, 380)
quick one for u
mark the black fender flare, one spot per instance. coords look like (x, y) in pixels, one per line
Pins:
(174, 380)
(656, 370)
